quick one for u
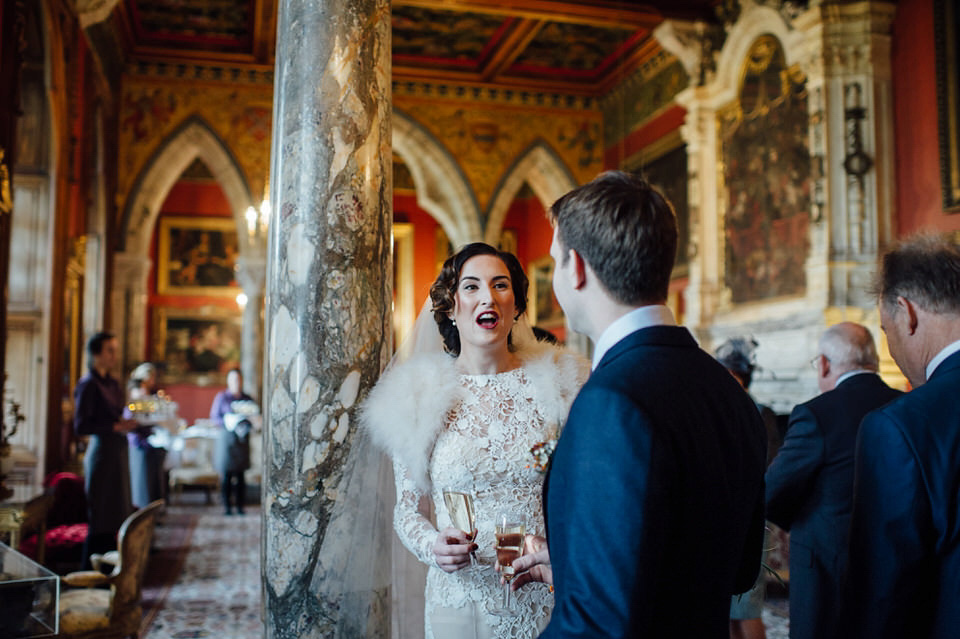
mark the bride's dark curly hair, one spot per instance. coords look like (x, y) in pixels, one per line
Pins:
(444, 289)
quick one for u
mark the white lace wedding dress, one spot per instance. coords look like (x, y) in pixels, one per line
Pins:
(484, 450)
(483, 427)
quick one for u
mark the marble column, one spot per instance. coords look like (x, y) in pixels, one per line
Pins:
(326, 502)
(128, 305)
(252, 273)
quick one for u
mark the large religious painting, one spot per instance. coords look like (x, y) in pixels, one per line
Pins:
(668, 173)
(197, 256)
(766, 174)
(947, 25)
(193, 345)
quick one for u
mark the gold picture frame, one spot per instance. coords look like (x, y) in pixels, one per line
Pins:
(197, 345)
(544, 309)
(197, 256)
(946, 22)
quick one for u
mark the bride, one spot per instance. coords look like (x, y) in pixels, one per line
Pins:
(465, 416)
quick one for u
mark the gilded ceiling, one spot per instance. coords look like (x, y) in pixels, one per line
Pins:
(563, 46)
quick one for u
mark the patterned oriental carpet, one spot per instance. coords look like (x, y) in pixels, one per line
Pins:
(203, 579)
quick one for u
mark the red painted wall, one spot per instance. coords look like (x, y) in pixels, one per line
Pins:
(528, 218)
(668, 121)
(200, 199)
(919, 199)
(425, 259)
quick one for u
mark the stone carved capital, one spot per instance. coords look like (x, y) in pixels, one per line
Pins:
(252, 273)
(130, 271)
(682, 39)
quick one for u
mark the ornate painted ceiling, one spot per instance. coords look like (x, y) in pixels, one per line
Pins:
(580, 47)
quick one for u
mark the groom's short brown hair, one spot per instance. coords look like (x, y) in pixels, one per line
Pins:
(626, 230)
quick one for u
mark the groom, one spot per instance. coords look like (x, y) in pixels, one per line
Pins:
(654, 499)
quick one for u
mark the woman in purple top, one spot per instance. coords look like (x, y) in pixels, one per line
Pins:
(146, 461)
(98, 406)
(232, 454)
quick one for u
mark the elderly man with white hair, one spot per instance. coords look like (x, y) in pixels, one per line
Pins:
(810, 482)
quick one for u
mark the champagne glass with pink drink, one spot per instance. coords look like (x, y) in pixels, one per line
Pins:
(510, 530)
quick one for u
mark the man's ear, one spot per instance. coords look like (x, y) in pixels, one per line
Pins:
(908, 311)
(578, 270)
(824, 368)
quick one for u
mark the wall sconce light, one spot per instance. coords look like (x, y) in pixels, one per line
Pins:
(242, 300)
(257, 219)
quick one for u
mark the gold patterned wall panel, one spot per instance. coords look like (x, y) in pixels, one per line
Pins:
(487, 139)
(151, 110)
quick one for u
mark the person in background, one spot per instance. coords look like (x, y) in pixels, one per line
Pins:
(903, 577)
(654, 495)
(98, 413)
(810, 482)
(146, 461)
(738, 356)
(232, 453)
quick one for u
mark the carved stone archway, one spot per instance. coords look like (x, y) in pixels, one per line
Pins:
(442, 190)
(191, 140)
(843, 52)
(543, 170)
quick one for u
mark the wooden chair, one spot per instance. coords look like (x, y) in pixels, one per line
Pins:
(92, 612)
(196, 467)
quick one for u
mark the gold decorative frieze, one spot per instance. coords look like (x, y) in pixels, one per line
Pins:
(487, 140)
(492, 95)
(152, 111)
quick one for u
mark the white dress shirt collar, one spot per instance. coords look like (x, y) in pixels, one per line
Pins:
(643, 317)
(849, 374)
(942, 355)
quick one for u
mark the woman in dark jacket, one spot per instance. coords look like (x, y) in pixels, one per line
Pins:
(232, 454)
(98, 404)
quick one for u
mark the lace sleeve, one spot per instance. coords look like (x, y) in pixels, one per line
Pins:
(414, 529)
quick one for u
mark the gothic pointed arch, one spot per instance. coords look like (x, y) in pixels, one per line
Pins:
(442, 190)
(193, 139)
(540, 167)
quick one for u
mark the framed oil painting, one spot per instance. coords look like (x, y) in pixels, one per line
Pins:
(198, 344)
(946, 24)
(197, 256)
(544, 309)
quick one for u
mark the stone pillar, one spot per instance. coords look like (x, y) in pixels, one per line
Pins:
(128, 303)
(847, 62)
(252, 272)
(325, 550)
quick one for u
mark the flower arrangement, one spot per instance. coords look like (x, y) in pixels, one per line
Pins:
(543, 452)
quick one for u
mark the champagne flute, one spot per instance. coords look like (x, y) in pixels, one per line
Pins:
(460, 508)
(510, 530)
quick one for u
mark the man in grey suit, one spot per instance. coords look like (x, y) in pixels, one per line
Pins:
(810, 482)
(903, 576)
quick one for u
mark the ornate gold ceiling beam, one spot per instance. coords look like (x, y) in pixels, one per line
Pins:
(601, 13)
(513, 45)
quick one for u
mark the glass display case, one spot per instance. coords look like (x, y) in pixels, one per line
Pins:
(29, 597)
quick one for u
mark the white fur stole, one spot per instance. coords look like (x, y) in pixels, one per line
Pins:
(407, 408)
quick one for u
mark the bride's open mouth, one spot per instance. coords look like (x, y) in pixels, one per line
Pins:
(488, 319)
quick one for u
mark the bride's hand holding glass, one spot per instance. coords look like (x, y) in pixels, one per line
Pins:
(452, 549)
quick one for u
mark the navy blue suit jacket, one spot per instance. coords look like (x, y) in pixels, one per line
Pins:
(810, 493)
(654, 499)
(903, 577)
